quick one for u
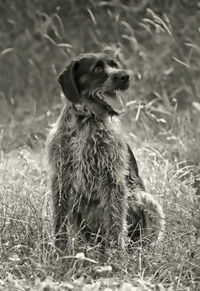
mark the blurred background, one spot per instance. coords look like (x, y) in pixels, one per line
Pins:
(159, 41)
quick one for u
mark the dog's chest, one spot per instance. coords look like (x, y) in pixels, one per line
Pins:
(99, 157)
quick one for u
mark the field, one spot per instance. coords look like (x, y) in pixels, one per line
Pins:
(162, 124)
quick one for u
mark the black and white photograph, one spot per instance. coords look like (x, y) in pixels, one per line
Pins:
(99, 145)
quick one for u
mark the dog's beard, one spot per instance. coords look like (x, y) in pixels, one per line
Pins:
(112, 99)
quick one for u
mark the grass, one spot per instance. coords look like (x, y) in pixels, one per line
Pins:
(28, 256)
(162, 124)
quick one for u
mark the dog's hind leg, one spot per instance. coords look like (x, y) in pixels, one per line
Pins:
(146, 220)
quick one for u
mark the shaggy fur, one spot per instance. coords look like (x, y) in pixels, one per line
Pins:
(96, 188)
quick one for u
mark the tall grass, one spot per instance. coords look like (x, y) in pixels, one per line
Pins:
(27, 250)
(159, 44)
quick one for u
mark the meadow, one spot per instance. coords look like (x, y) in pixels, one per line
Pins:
(159, 43)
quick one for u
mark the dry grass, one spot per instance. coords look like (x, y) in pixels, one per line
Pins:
(162, 51)
(28, 256)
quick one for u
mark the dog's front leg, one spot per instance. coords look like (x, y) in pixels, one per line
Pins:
(118, 213)
(60, 212)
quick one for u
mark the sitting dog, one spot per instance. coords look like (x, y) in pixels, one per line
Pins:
(96, 187)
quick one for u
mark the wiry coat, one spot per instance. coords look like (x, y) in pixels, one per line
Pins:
(95, 183)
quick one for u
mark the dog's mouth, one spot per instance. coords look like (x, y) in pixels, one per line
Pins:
(112, 99)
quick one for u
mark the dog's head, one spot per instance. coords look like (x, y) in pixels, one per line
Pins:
(97, 77)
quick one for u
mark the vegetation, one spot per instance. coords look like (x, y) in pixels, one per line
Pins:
(159, 43)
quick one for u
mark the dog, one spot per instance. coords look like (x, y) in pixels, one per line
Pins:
(96, 188)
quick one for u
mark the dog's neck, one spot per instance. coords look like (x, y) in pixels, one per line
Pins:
(92, 110)
(91, 119)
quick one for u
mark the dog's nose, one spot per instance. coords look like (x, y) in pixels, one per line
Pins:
(124, 77)
(121, 77)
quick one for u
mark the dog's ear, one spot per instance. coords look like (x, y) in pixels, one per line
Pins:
(68, 82)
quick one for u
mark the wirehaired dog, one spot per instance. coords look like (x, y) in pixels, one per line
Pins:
(96, 187)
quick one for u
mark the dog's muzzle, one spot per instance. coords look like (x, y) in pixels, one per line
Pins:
(120, 80)
(112, 90)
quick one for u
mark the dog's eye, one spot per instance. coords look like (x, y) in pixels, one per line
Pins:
(113, 64)
(99, 66)
(98, 69)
